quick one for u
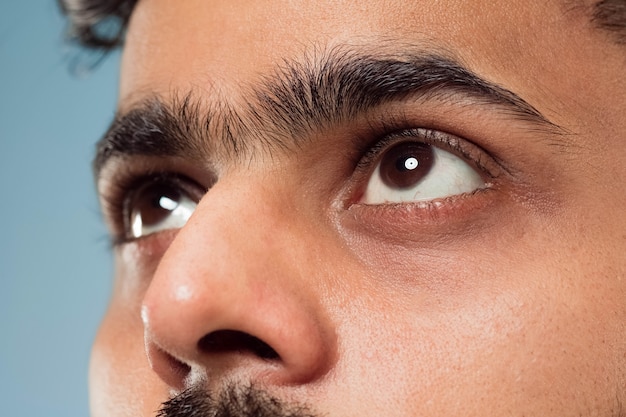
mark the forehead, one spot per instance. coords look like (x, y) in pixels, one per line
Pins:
(219, 48)
(223, 41)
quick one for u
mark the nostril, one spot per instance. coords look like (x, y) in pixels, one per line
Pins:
(170, 369)
(222, 341)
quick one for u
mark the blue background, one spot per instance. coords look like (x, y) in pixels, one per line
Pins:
(55, 272)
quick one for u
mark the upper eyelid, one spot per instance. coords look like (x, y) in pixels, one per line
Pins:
(463, 148)
(120, 172)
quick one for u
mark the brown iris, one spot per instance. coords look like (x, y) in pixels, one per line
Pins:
(154, 202)
(406, 164)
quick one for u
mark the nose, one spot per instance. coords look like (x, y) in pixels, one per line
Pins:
(235, 296)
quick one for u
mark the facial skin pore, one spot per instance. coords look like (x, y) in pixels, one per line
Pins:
(290, 262)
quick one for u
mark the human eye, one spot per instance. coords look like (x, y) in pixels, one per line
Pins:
(421, 166)
(149, 204)
(159, 204)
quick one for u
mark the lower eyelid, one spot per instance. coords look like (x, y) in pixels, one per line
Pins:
(140, 257)
(419, 220)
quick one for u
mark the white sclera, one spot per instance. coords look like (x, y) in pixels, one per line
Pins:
(449, 176)
(180, 212)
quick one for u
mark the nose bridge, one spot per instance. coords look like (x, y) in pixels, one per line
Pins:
(239, 265)
(238, 238)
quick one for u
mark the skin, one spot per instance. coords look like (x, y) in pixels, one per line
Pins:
(508, 302)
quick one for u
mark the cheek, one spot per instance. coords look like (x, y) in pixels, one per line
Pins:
(121, 381)
(491, 326)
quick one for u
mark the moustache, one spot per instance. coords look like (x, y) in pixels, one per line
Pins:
(233, 401)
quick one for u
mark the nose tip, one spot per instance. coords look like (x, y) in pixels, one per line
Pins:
(222, 306)
(275, 347)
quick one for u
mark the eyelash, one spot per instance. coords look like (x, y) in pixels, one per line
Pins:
(433, 137)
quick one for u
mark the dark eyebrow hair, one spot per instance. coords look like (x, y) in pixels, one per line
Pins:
(610, 15)
(300, 98)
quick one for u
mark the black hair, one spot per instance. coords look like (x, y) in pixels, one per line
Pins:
(610, 15)
(97, 24)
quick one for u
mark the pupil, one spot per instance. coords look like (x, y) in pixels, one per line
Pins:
(155, 202)
(406, 164)
(411, 163)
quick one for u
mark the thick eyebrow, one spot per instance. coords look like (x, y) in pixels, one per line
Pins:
(299, 98)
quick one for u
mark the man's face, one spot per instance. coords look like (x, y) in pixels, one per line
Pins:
(382, 208)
